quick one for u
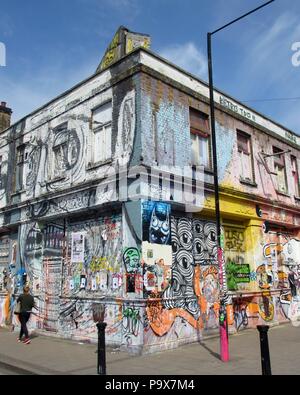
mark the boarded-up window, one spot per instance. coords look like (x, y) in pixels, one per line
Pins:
(101, 145)
(295, 174)
(19, 168)
(199, 122)
(279, 168)
(245, 156)
(278, 159)
(243, 142)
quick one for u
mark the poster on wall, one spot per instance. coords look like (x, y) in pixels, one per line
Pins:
(156, 222)
(150, 281)
(153, 253)
(237, 274)
(77, 248)
(157, 266)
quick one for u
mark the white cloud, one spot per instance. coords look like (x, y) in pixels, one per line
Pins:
(265, 69)
(27, 93)
(188, 57)
(271, 42)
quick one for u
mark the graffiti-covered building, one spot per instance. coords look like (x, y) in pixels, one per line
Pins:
(107, 198)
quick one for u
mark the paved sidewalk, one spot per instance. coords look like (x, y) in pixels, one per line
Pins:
(48, 356)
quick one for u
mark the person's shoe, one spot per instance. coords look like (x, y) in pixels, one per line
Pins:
(19, 340)
(26, 341)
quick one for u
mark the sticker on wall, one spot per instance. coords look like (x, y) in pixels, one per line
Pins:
(115, 281)
(98, 278)
(149, 254)
(94, 284)
(104, 235)
(14, 255)
(156, 222)
(71, 285)
(82, 282)
(139, 283)
(150, 281)
(77, 248)
(103, 281)
(77, 281)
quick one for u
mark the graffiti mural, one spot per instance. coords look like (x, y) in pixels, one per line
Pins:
(126, 129)
(132, 324)
(181, 293)
(234, 240)
(291, 252)
(95, 267)
(240, 315)
(210, 291)
(194, 247)
(49, 293)
(156, 222)
(237, 271)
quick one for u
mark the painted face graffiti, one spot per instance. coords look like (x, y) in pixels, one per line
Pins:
(66, 150)
(156, 222)
(160, 225)
(131, 259)
(204, 243)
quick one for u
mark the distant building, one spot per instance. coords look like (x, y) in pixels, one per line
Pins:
(107, 197)
(5, 115)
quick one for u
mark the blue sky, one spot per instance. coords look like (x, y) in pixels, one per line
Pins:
(52, 45)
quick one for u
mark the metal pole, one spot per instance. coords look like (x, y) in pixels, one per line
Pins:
(101, 364)
(264, 350)
(221, 263)
(243, 16)
(222, 274)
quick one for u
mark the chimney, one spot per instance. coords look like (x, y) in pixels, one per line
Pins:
(5, 115)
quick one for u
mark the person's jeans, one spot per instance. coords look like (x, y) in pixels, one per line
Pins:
(24, 317)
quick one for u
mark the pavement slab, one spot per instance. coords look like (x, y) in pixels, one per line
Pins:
(53, 356)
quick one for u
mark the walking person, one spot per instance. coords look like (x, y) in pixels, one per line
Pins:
(27, 303)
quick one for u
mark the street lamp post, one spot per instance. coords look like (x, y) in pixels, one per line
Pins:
(224, 351)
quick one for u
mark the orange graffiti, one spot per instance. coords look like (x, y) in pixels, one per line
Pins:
(161, 320)
(7, 308)
(272, 246)
(230, 315)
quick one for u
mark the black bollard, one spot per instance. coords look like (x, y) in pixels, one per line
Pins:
(264, 350)
(101, 365)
